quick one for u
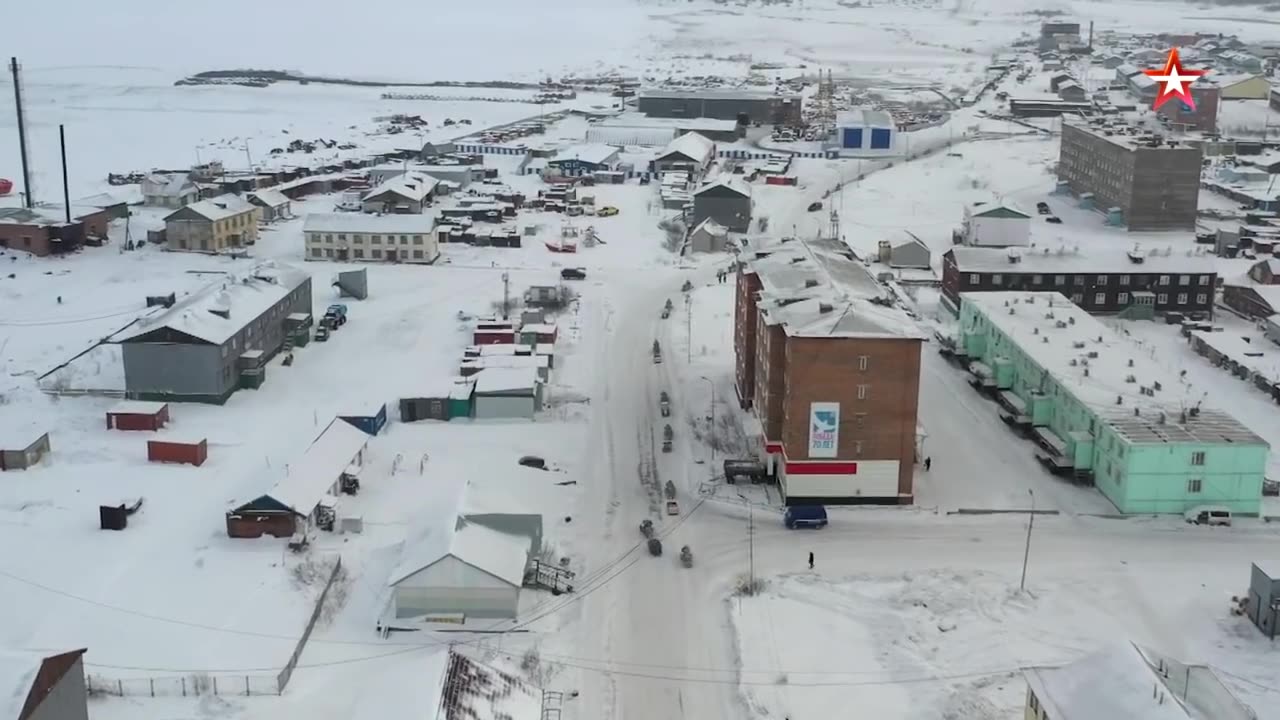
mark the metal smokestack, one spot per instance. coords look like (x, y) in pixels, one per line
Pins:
(1090, 35)
(27, 200)
(66, 193)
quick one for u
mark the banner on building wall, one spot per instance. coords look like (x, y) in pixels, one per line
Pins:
(824, 429)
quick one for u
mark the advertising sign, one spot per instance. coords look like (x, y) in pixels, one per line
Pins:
(824, 429)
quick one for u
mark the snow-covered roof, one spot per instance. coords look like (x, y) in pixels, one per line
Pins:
(711, 227)
(904, 238)
(218, 208)
(1269, 293)
(17, 674)
(1125, 681)
(1142, 81)
(136, 407)
(1097, 259)
(244, 296)
(818, 289)
(170, 185)
(411, 186)
(733, 182)
(1094, 364)
(270, 197)
(309, 477)
(692, 145)
(394, 223)
(865, 117)
(508, 361)
(102, 200)
(1128, 70)
(594, 154)
(716, 94)
(499, 380)
(31, 216)
(987, 207)
(440, 531)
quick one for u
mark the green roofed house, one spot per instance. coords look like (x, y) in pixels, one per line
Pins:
(1102, 411)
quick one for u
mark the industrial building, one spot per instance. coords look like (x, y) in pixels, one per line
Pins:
(831, 370)
(1059, 35)
(208, 345)
(691, 153)
(1139, 179)
(345, 237)
(1103, 412)
(1133, 283)
(45, 231)
(751, 106)
(865, 133)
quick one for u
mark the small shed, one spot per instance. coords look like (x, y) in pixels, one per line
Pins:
(909, 251)
(538, 334)
(371, 421)
(459, 568)
(504, 393)
(1264, 600)
(172, 450)
(24, 452)
(494, 332)
(136, 415)
(274, 204)
(709, 236)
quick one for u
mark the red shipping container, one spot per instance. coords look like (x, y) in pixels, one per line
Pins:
(172, 451)
(780, 180)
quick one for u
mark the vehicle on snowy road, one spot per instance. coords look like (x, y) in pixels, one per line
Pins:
(805, 516)
(1208, 515)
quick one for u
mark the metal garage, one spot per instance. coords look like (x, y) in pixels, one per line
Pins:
(464, 571)
(507, 393)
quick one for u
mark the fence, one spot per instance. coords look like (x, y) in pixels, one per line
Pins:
(184, 685)
(287, 672)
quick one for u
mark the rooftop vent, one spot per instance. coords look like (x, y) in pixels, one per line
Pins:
(810, 283)
(1078, 345)
(1130, 379)
(1130, 362)
(825, 307)
(1119, 399)
(1046, 339)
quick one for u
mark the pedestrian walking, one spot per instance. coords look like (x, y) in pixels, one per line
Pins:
(928, 463)
(811, 560)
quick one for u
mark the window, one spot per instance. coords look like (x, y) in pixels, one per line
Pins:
(1203, 280)
(225, 350)
(376, 239)
(1099, 298)
(1193, 486)
(1184, 279)
(1077, 298)
(860, 419)
(342, 237)
(1162, 299)
(997, 279)
(1164, 279)
(404, 239)
(358, 239)
(417, 254)
(1123, 298)
(417, 239)
(315, 252)
(1102, 279)
(1037, 279)
(1197, 457)
(328, 252)
(1059, 279)
(862, 391)
(376, 253)
(863, 361)
(358, 252)
(1182, 298)
(1201, 298)
(328, 237)
(857, 447)
(974, 279)
(1124, 279)
(1077, 279)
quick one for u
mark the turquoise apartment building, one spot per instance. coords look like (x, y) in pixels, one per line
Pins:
(1101, 409)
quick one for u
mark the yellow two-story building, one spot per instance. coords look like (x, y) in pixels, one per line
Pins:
(215, 225)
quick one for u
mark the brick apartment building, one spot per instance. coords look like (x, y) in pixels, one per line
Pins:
(1155, 183)
(831, 372)
(44, 230)
(1205, 115)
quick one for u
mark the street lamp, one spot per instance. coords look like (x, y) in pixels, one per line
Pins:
(1026, 553)
(711, 429)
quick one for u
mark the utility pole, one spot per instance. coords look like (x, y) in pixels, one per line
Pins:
(688, 327)
(1026, 553)
(711, 430)
(506, 295)
(28, 195)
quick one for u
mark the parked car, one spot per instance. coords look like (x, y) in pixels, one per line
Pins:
(815, 206)
(607, 211)
(1208, 515)
(1042, 208)
(1271, 488)
(1054, 219)
(573, 274)
(805, 516)
(533, 461)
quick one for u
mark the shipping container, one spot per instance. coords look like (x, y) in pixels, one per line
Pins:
(132, 415)
(193, 452)
(371, 422)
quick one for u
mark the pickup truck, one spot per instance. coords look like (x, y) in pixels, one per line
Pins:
(338, 314)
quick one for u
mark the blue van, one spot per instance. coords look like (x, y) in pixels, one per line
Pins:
(802, 516)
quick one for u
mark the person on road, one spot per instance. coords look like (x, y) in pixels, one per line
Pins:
(810, 560)
(928, 463)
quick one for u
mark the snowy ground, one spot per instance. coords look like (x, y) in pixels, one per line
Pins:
(641, 638)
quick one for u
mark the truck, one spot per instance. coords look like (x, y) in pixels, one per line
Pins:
(337, 313)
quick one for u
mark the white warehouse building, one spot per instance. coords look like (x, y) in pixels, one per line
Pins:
(865, 133)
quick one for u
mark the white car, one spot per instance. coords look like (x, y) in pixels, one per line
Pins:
(1208, 515)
